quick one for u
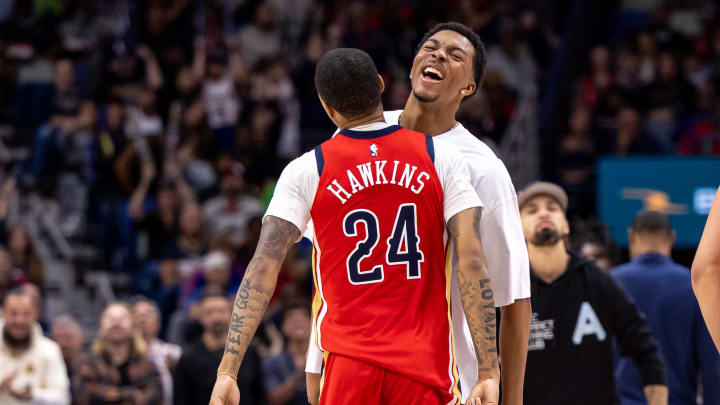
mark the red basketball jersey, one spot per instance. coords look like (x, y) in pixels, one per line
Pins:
(381, 277)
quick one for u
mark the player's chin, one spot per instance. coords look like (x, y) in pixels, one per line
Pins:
(426, 95)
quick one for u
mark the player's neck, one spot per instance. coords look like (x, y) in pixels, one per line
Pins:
(375, 116)
(548, 262)
(428, 118)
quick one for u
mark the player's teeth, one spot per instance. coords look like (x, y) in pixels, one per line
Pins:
(433, 70)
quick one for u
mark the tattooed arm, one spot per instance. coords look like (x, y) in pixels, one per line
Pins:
(252, 298)
(478, 303)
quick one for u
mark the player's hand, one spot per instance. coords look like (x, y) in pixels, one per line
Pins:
(225, 392)
(485, 392)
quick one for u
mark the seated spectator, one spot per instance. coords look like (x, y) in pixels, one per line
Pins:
(24, 256)
(232, 209)
(285, 372)
(10, 277)
(196, 370)
(164, 355)
(68, 334)
(630, 138)
(216, 273)
(117, 370)
(32, 365)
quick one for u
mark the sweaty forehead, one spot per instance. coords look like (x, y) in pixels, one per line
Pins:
(453, 39)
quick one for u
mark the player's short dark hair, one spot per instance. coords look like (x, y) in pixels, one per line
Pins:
(347, 80)
(651, 222)
(480, 58)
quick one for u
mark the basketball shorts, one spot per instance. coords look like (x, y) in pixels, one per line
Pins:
(347, 381)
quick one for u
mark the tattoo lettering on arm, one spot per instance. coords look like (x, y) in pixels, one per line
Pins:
(256, 289)
(475, 287)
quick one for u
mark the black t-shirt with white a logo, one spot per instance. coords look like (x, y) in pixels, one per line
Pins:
(574, 321)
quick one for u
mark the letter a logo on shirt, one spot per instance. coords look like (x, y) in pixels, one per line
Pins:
(588, 324)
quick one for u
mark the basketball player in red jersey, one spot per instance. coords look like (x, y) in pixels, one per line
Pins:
(380, 198)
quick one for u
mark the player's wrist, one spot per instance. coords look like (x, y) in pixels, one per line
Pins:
(485, 374)
(224, 374)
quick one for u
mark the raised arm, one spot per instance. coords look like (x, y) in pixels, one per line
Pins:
(252, 298)
(478, 302)
(706, 272)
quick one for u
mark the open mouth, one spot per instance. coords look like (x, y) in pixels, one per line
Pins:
(432, 74)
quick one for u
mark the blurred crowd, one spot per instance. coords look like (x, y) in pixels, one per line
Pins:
(155, 130)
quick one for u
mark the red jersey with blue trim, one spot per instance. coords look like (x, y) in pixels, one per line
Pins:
(379, 197)
(380, 255)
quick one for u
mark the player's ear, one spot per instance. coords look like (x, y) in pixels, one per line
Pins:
(328, 110)
(468, 90)
(382, 84)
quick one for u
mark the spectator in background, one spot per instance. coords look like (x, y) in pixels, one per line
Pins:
(594, 243)
(273, 87)
(68, 334)
(577, 313)
(32, 368)
(35, 105)
(220, 99)
(24, 256)
(647, 51)
(630, 137)
(191, 243)
(107, 197)
(285, 373)
(10, 277)
(118, 370)
(576, 161)
(663, 291)
(600, 78)
(230, 211)
(511, 58)
(261, 38)
(128, 69)
(667, 100)
(36, 297)
(146, 316)
(197, 368)
(216, 273)
(157, 226)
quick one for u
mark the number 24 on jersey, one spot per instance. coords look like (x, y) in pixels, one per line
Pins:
(404, 230)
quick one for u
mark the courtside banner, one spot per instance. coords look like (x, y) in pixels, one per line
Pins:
(681, 187)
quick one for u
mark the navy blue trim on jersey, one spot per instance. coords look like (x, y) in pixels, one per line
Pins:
(319, 159)
(370, 134)
(430, 145)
